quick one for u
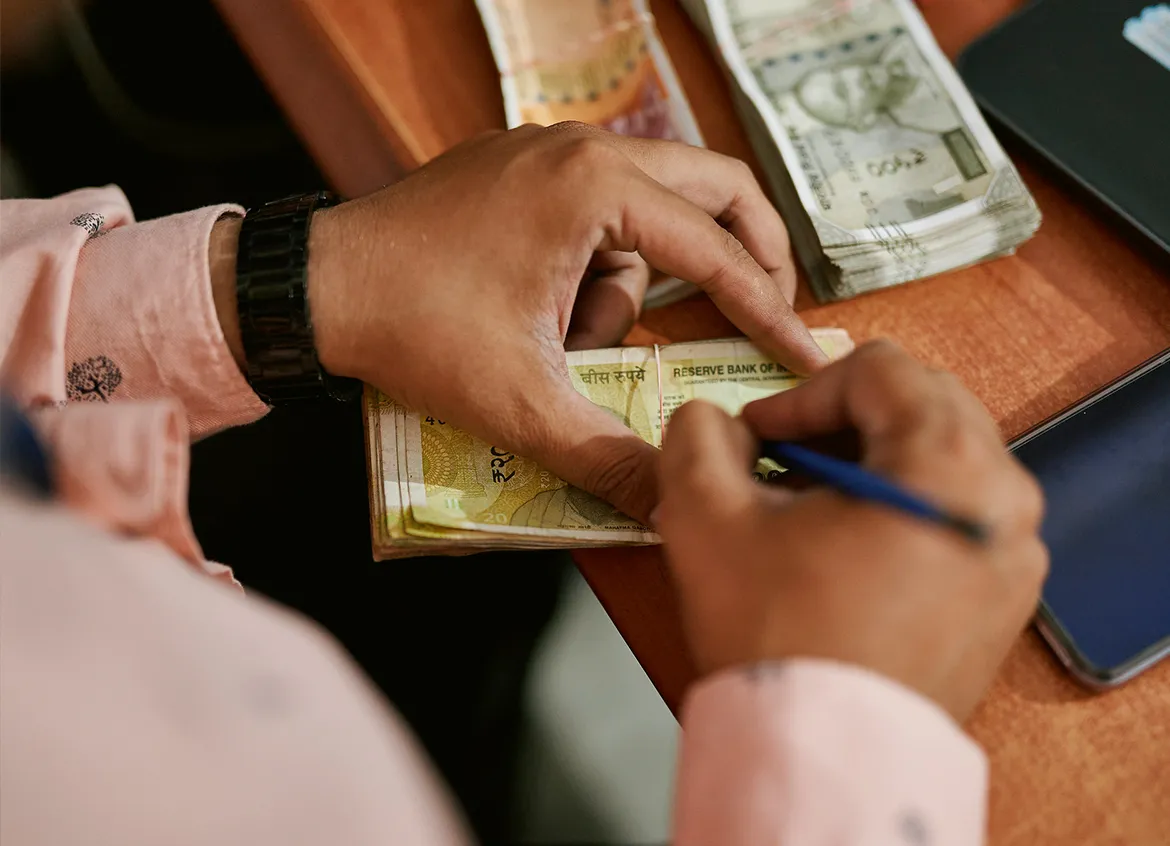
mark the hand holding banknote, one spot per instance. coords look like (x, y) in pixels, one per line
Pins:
(765, 574)
(453, 291)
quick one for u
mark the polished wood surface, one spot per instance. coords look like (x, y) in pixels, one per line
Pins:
(392, 83)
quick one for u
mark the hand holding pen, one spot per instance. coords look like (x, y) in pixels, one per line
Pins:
(767, 574)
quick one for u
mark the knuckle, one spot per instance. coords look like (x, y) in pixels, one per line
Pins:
(736, 253)
(1029, 499)
(1037, 562)
(488, 135)
(527, 133)
(974, 414)
(951, 387)
(585, 158)
(947, 381)
(745, 170)
(876, 361)
(744, 175)
(906, 414)
(1028, 569)
(735, 259)
(961, 436)
(566, 127)
(749, 188)
(960, 442)
(877, 353)
(889, 382)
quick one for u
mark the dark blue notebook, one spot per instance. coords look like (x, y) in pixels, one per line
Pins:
(1087, 88)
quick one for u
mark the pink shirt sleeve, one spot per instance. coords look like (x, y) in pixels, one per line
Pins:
(100, 308)
(112, 653)
(814, 753)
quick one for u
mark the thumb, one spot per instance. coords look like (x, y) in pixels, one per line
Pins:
(587, 447)
(707, 459)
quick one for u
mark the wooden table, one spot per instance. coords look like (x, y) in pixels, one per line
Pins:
(376, 87)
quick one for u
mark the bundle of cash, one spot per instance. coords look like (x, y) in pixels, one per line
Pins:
(877, 157)
(594, 61)
(436, 490)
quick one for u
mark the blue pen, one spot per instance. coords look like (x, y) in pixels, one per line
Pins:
(856, 481)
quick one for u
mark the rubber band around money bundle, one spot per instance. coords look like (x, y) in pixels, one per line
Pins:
(661, 401)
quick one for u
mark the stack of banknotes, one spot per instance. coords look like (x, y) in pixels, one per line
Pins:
(877, 157)
(436, 490)
(594, 61)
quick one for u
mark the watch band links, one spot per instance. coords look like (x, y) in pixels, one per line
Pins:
(275, 319)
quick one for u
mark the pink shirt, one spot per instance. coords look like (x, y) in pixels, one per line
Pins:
(145, 700)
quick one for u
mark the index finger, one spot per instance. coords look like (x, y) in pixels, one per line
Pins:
(875, 390)
(917, 425)
(679, 238)
(727, 190)
(884, 394)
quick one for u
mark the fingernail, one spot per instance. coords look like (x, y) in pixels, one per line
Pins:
(821, 354)
(819, 359)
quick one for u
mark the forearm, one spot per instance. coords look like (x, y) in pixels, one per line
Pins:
(813, 752)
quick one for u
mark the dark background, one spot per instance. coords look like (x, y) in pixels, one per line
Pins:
(156, 98)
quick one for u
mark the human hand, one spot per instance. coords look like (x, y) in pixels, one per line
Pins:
(453, 291)
(764, 573)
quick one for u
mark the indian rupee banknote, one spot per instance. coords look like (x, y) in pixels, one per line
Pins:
(436, 489)
(595, 61)
(879, 160)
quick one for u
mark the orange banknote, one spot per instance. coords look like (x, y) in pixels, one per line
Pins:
(595, 61)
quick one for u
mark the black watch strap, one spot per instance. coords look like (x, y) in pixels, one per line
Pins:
(271, 292)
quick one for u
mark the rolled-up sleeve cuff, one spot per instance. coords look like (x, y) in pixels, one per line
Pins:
(143, 319)
(816, 752)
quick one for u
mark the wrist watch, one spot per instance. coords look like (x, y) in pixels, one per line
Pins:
(271, 295)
